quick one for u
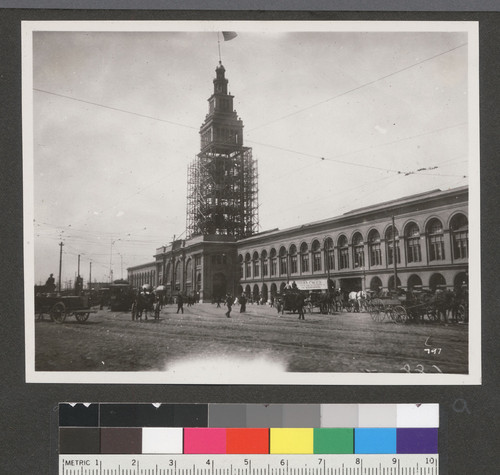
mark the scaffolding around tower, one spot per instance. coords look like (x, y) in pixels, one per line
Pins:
(222, 196)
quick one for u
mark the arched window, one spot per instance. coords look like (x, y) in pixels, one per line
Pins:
(240, 263)
(329, 255)
(358, 251)
(256, 264)
(248, 266)
(304, 258)
(265, 264)
(343, 252)
(390, 234)
(435, 240)
(413, 251)
(294, 265)
(274, 263)
(283, 267)
(460, 236)
(374, 248)
(316, 250)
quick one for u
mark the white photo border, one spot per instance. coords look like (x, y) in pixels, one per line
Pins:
(151, 377)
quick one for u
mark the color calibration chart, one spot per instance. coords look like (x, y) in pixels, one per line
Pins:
(248, 439)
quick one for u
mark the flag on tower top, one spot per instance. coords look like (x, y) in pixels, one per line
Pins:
(229, 35)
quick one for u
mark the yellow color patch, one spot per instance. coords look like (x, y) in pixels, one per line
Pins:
(291, 441)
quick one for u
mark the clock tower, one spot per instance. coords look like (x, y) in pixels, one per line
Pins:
(222, 179)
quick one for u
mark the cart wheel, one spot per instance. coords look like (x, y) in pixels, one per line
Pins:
(399, 314)
(82, 317)
(432, 314)
(58, 312)
(461, 313)
(376, 314)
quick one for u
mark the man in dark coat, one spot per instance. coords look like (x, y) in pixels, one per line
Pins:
(229, 304)
(180, 303)
(243, 303)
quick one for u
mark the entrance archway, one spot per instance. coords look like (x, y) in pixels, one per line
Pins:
(255, 293)
(461, 280)
(375, 284)
(274, 290)
(219, 287)
(436, 280)
(248, 292)
(413, 281)
(264, 293)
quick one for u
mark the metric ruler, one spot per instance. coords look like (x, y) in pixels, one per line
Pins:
(273, 464)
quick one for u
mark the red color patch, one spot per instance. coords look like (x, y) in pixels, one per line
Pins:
(247, 441)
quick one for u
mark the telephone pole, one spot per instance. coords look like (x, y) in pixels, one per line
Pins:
(90, 277)
(61, 244)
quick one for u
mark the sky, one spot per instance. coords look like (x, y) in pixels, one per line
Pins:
(337, 120)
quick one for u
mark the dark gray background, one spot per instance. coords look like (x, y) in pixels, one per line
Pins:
(469, 442)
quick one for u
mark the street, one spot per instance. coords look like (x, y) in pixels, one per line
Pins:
(343, 342)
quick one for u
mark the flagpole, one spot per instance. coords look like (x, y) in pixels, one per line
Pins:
(218, 45)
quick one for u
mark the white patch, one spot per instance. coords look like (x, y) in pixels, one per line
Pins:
(380, 129)
(226, 367)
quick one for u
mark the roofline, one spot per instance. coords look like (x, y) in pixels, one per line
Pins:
(427, 195)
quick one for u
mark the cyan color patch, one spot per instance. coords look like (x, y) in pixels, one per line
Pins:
(375, 441)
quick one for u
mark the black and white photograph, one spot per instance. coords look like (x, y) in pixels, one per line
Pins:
(238, 202)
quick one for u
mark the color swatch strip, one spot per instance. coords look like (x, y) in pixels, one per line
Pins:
(198, 440)
(250, 415)
(248, 429)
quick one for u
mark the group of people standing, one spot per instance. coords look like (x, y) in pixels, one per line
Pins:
(242, 300)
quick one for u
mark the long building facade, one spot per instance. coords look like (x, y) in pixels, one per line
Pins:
(420, 240)
(355, 251)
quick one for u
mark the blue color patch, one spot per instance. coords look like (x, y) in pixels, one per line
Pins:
(375, 441)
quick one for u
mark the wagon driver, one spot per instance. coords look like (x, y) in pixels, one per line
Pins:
(50, 285)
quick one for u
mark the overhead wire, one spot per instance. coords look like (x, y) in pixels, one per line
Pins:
(322, 158)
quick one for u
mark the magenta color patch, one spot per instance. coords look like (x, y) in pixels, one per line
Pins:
(204, 440)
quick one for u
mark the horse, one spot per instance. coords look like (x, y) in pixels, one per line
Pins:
(358, 300)
(145, 302)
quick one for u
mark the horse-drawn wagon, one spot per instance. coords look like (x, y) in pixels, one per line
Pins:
(390, 308)
(418, 306)
(146, 303)
(59, 307)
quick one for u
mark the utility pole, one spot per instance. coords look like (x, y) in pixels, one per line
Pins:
(60, 265)
(111, 263)
(394, 255)
(90, 277)
(121, 267)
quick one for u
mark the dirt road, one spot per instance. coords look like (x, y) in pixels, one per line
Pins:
(346, 342)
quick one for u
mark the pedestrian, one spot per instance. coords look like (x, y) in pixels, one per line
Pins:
(180, 303)
(218, 299)
(229, 304)
(300, 307)
(243, 303)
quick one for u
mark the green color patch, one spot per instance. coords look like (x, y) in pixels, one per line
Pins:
(333, 441)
